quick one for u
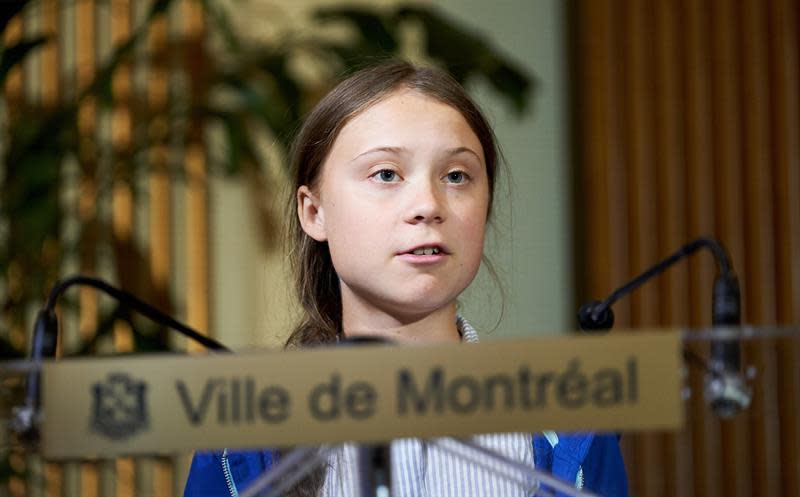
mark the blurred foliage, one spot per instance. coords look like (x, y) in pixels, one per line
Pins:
(251, 90)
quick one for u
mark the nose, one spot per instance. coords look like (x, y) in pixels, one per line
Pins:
(426, 204)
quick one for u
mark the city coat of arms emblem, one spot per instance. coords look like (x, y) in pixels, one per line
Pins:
(119, 407)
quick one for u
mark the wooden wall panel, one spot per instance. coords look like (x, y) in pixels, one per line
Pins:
(703, 431)
(638, 85)
(699, 137)
(84, 31)
(159, 184)
(197, 256)
(603, 180)
(785, 142)
(670, 169)
(759, 300)
(726, 156)
(56, 476)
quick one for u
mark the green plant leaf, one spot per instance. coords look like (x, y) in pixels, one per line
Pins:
(235, 132)
(241, 152)
(10, 9)
(101, 85)
(154, 341)
(16, 53)
(466, 54)
(8, 350)
(30, 197)
(159, 7)
(263, 98)
(7, 471)
(289, 93)
(375, 29)
(219, 16)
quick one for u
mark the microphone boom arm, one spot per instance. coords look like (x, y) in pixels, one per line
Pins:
(134, 303)
(597, 316)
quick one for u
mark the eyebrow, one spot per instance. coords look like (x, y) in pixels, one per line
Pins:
(400, 150)
(460, 150)
(393, 150)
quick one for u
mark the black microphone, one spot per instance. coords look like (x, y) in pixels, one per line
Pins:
(375, 470)
(725, 389)
(43, 346)
(373, 461)
(25, 419)
(594, 316)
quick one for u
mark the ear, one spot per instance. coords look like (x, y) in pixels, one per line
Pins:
(312, 217)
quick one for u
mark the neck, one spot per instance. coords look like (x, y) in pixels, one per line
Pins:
(434, 327)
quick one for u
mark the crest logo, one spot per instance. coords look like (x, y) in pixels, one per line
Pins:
(119, 407)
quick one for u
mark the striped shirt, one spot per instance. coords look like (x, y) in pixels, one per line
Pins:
(424, 469)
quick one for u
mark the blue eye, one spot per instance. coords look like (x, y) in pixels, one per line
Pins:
(457, 177)
(386, 175)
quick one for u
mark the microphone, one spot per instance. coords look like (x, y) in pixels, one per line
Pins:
(43, 346)
(374, 467)
(25, 419)
(374, 461)
(594, 316)
(725, 389)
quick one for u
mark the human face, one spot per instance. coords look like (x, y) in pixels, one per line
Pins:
(407, 174)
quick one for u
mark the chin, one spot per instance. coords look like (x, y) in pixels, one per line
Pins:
(410, 299)
(421, 304)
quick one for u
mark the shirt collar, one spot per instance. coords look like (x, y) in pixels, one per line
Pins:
(467, 332)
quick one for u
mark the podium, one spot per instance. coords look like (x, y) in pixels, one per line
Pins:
(315, 400)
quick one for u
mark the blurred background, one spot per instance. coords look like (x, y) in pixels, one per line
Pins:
(144, 142)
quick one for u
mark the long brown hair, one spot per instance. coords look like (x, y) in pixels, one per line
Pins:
(316, 281)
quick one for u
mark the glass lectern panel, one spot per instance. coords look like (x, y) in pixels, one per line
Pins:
(735, 427)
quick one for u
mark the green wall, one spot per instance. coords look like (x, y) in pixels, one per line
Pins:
(530, 246)
(529, 243)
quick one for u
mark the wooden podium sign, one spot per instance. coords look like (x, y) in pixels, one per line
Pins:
(165, 404)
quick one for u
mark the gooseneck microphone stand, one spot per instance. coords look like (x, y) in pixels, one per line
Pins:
(133, 302)
(45, 339)
(725, 388)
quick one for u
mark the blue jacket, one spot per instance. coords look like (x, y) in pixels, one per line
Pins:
(593, 458)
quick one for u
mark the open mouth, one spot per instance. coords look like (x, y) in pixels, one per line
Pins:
(426, 251)
(429, 250)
